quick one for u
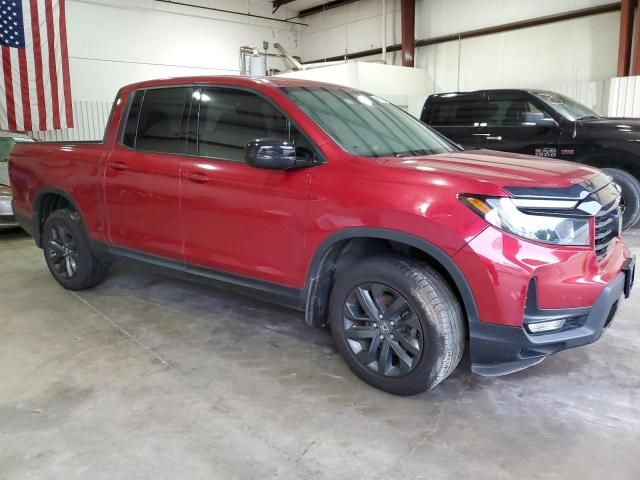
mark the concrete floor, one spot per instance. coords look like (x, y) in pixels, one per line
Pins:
(146, 377)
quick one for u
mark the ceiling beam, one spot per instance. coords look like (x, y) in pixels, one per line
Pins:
(325, 6)
(278, 3)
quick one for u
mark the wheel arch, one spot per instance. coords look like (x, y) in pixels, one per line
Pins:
(47, 201)
(613, 158)
(345, 247)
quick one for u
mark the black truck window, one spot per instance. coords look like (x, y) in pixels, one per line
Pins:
(161, 121)
(509, 112)
(131, 124)
(459, 111)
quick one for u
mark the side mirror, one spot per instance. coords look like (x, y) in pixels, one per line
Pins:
(274, 154)
(537, 119)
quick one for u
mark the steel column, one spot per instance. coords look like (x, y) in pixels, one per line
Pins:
(408, 21)
(635, 55)
(626, 37)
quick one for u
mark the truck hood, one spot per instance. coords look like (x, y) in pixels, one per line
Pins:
(499, 168)
(622, 127)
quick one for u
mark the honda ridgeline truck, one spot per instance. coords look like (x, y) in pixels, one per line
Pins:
(336, 203)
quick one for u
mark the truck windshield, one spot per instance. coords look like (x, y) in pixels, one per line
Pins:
(366, 125)
(567, 107)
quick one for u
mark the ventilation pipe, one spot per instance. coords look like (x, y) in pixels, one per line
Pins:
(296, 63)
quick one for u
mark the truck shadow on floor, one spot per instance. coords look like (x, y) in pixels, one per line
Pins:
(208, 318)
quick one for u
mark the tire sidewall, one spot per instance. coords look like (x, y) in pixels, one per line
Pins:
(379, 271)
(631, 194)
(72, 221)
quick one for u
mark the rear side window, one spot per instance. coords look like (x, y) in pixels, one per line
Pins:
(131, 125)
(459, 112)
(161, 120)
(230, 119)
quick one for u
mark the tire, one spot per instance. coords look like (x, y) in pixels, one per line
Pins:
(68, 253)
(430, 330)
(630, 195)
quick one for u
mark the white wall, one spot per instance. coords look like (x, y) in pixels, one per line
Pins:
(573, 51)
(115, 42)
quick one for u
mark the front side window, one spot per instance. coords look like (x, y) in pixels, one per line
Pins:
(229, 119)
(510, 112)
(157, 120)
(363, 124)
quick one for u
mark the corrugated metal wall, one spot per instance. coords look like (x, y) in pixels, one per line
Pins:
(90, 120)
(624, 100)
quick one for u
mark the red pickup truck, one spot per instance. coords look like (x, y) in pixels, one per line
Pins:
(335, 202)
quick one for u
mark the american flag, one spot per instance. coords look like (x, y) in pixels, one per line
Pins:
(35, 89)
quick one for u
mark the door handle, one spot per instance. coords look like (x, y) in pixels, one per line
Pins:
(197, 178)
(494, 138)
(117, 165)
(481, 134)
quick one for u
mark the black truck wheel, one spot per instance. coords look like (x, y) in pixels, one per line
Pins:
(630, 195)
(68, 254)
(397, 323)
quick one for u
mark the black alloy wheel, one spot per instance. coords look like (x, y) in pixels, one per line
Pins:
(397, 323)
(383, 330)
(68, 252)
(62, 251)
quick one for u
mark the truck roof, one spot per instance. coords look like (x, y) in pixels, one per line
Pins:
(277, 82)
(492, 90)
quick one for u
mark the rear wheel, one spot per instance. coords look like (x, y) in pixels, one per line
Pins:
(68, 253)
(397, 323)
(630, 195)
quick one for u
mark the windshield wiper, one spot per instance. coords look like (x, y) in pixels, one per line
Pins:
(412, 153)
(589, 117)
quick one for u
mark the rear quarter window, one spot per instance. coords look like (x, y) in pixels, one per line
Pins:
(156, 121)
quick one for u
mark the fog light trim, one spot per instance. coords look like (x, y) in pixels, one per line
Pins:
(545, 327)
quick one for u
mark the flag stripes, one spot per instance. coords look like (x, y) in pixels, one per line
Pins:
(35, 82)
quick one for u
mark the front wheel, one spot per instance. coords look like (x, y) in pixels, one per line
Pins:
(397, 323)
(630, 195)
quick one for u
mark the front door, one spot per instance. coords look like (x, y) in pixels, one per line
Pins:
(141, 178)
(516, 124)
(237, 218)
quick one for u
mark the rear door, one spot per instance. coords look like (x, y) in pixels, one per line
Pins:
(461, 117)
(141, 178)
(516, 123)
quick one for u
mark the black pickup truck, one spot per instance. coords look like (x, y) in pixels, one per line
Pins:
(546, 124)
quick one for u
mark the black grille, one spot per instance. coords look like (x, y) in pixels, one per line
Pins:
(607, 229)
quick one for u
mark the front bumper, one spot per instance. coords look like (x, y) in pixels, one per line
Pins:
(499, 350)
(7, 219)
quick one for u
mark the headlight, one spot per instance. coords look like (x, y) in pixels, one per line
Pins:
(501, 212)
(5, 191)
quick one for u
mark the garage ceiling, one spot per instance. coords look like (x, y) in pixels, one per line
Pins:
(307, 7)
